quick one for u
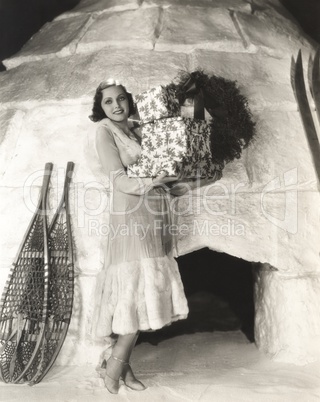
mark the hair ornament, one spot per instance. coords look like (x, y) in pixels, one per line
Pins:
(110, 82)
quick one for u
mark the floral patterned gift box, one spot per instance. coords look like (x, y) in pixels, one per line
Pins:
(197, 162)
(157, 103)
(176, 146)
(163, 144)
(148, 167)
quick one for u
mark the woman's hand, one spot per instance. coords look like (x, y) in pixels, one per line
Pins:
(179, 186)
(178, 189)
(163, 179)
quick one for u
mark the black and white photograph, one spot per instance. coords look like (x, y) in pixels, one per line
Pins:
(160, 200)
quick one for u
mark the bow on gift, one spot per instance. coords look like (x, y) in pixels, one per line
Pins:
(201, 100)
(190, 88)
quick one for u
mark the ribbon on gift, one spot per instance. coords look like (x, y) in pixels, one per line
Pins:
(190, 88)
(202, 102)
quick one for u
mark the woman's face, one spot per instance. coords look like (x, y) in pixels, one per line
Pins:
(115, 103)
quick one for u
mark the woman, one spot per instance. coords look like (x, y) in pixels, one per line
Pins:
(142, 289)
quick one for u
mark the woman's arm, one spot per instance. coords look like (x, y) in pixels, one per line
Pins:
(110, 159)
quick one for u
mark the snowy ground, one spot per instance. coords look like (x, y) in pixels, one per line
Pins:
(219, 366)
(203, 358)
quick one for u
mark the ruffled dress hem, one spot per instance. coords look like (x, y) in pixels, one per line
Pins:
(143, 295)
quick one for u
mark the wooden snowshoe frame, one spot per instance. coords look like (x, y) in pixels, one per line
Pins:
(36, 305)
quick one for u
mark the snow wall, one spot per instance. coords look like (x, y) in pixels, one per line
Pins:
(265, 209)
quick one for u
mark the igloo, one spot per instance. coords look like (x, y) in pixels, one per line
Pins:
(264, 210)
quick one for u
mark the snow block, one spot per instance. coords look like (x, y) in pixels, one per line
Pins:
(188, 28)
(100, 6)
(227, 4)
(89, 205)
(287, 315)
(64, 139)
(77, 77)
(125, 29)
(78, 349)
(280, 139)
(55, 39)
(10, 126)
(243, 66)
(273, 97)
(268, 31)
(15, 216)
(255, 226)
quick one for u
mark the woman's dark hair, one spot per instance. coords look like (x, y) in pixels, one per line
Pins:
(97, 111)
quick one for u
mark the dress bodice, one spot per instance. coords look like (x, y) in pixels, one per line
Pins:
(127, 144)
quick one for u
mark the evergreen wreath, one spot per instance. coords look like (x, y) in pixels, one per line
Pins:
(232, 127)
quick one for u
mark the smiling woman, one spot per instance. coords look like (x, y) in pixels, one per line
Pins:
(115, 104)
(103, 100)
(140, 286)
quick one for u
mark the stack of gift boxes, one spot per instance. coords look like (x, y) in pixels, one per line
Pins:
(176, 145)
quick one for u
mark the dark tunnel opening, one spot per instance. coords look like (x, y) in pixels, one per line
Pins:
(219, 289)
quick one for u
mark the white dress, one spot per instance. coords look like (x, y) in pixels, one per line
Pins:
(140, 287)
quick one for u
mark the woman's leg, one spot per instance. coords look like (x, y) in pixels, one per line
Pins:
(124, 346)
(118, 366)
(127, 374)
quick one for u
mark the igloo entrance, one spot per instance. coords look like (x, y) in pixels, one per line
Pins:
(219, 288)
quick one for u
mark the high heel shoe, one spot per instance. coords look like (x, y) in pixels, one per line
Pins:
(111, 384)
(131, 381)
(129, 378)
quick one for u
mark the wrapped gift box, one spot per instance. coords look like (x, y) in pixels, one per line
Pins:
(176, 146)
(163, 144)
(197, 162)
(148, 167)
(157, 103)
